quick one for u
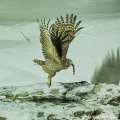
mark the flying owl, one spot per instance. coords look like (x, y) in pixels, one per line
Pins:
(55, 42)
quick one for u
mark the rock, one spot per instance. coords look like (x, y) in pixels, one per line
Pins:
(50, 117)
(70, 86)
(70, 95)
(62, 101)
(79, 113)
(97, 112)
(55, 117)
(55, 91)
(38, 97)
(10, 96)
(109, 90)
(117, 115)
(88, 113)
(114, 101)
(97, 88)
(24, 94)
(40, 114)
(104, 102)
(37, 93)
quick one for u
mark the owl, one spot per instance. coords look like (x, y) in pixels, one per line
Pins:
(55, 41)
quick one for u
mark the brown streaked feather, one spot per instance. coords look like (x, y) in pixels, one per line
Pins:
(62, 20)
(74, 19)
(78, 23)
(62, 33)
(64, 37)
(51, 27)
(65, 47)
(58, 21)
(44, 23)
(48, 23)
(67, 18)
(41, 22)
(71, 19)
(38, 23)
(49, 50)
(78, 29)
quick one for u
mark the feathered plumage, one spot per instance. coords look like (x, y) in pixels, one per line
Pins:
(55, 43)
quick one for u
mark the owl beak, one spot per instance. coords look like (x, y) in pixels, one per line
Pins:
(73, 69)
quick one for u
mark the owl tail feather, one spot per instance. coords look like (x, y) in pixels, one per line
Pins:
(39, 62)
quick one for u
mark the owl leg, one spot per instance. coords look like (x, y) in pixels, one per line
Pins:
(50, 78)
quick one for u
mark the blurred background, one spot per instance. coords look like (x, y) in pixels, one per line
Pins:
(101, 33)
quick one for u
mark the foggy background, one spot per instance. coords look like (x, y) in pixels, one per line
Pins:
(101, 33)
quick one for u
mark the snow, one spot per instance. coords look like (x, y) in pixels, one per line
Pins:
(101, 33)
(34, 102)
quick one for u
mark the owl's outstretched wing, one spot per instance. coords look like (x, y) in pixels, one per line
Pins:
(63, 32)
(49, 50)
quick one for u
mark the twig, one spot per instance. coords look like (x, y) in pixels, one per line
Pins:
(25, 37)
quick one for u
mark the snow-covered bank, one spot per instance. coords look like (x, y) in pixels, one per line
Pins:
(63, 101)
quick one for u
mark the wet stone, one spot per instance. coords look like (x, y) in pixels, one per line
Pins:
(71, 106)
(64, 119)
(117, 99)
(37, 93)
(79, 113)
(109, 90)
(114, 103)
(54, 91)
(97, 112)
(24, 94)
(70, 95)
(50, 117)
(38, 97)
(89, 113)
(117, 115)
(104, 102)
(10, 96)
(64, 104)
(70, 86)
(50, 96)
(40, 114)
(97, 88)
(78, 93)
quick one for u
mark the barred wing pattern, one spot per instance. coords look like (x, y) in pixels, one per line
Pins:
(63, 32)
(49, 50)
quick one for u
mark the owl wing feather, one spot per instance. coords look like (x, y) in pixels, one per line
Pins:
(63, 32)
(48, 48)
